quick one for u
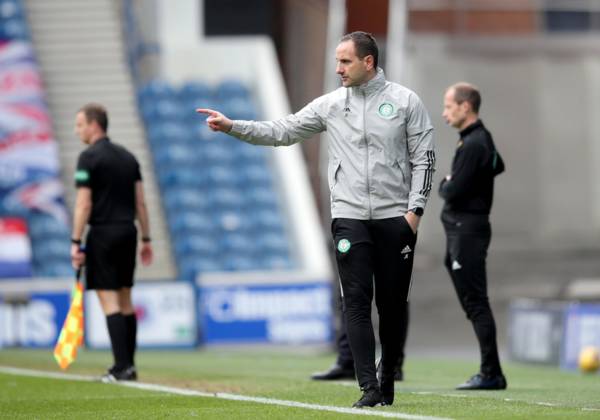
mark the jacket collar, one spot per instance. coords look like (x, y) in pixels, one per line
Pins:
(101, 140)
(465, 131)
(373, 85)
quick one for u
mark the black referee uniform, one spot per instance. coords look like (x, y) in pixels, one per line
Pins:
(468, 196)
(110, 171)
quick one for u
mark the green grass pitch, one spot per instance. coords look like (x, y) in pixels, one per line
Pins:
(533, 392)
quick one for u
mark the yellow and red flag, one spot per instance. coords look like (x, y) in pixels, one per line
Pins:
(71, 335)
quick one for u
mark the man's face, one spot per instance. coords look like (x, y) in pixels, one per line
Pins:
(454, 113)
(83, 128)
(353, 70)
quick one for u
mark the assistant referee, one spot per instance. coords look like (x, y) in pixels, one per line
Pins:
(110, 197)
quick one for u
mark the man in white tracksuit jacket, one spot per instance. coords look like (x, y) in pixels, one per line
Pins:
(381, 163)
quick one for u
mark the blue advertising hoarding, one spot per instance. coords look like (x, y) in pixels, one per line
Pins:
(582, 328)
(276, 313)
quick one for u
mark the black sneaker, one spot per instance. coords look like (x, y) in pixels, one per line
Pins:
(333, 373)
(371, 398)
(114, 375)
(398, 374)
(484, 382)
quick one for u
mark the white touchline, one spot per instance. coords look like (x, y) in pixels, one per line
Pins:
(222, 395)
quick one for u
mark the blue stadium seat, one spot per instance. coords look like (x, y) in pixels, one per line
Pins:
(196, 244)
(232, 220)
(239, 108)
(193, 223)
(257, 175)
(216, 153)
(230, 89)
(54, 269)
(276, 262)
(180, 199)
(161, 109)
(252, 154)
(223, 176)
(240, 263)
(190, 267)
(268, 220)
(52, 249)
(43, 226)
(156, 89)
(237, 243)
(176, 155)
(224, 198)
(10, 9)
(161, 133)
(272, 243)
(195, 90)
(181, 176)
(261, 197)
(13, 29)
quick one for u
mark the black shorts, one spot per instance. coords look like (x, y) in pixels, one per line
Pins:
(110, 256)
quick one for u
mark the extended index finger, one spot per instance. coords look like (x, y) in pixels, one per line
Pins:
(208, 111)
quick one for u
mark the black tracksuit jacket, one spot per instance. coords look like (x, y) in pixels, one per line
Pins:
(475, 164)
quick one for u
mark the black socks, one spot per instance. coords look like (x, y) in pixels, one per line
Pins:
(131, 326)
(117, 330)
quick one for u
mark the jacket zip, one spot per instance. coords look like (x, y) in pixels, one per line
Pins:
(367, 151)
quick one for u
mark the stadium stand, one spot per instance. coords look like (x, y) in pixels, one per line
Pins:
(218, 193)
(30, 187)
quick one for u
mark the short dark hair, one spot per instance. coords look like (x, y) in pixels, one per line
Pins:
(466, 92)
(364, 43)
(96, 112)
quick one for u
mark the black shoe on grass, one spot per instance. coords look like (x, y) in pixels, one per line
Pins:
(335, 372)
(371, 398)
(114, 375)
(484, 382)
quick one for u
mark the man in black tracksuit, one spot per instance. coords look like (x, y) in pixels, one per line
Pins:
(468, 192)
(109, 198)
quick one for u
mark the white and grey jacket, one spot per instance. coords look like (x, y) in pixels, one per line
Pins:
(381, 151)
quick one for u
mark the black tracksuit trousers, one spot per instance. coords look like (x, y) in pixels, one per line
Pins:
(468, 238)
(345, 358)
(375, 253)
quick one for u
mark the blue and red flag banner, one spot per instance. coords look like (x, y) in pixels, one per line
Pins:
(15, 249)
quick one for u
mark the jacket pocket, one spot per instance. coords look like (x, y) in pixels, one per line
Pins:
(398, 168)
(332, 173)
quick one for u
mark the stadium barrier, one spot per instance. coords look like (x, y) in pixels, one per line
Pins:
(552, 332)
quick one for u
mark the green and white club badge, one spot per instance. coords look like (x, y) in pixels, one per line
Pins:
(386, 110)
(344, 245)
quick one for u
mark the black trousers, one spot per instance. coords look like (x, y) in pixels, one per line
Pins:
(468, 238)
(345, 358)
(374, 257)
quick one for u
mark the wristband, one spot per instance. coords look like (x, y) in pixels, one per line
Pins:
(146, 239)
(76, 241)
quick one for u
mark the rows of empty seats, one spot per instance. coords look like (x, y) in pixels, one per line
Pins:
(219, 194)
